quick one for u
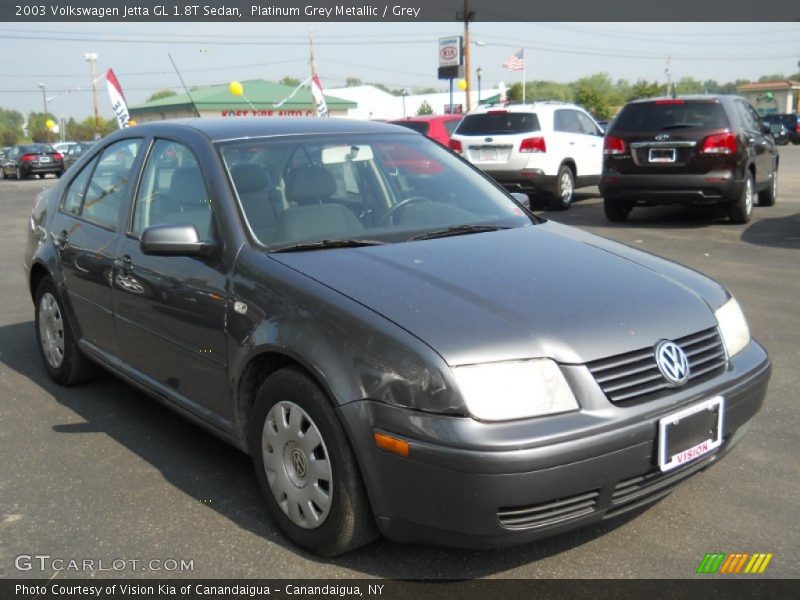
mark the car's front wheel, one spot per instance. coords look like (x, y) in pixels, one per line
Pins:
(739, 210)
(306, 468)
(616, 212)
(18, 173)
(565, 189)
(62, 358)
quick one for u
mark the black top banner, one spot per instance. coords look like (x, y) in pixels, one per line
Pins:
(399, 10)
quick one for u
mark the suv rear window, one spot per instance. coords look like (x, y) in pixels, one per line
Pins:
(671, 114)
(496, 123)
(418, 126)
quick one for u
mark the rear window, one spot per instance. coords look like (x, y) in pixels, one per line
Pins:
(496, 123)
(668, 115)
(31, 148)
(418, 126)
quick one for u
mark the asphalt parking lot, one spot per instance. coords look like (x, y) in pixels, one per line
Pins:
(100, 471)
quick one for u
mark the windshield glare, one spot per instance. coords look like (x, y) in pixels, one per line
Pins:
(387, 188)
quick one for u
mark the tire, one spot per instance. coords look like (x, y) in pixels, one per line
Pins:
(18, 173)
(740, 210)
(2, 173)
(40, 175)
(768, 196)
(565, 189)
(59, 174)
(616, 212)
(62, 358)
(323, 523)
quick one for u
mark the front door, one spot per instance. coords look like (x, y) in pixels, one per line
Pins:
(171, 309)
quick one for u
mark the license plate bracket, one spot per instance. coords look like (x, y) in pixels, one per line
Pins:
(662, 155)
(691, 433)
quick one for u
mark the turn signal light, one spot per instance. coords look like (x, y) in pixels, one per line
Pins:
(456, 146)
(391, 444)
(719, 143)
(534, 144)
(613, 145)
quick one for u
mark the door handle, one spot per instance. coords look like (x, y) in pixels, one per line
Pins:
(125, 262)
(61, 240)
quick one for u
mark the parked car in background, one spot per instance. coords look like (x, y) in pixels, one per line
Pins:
(75, 152)
(63, 147)
(32, 159)
(779, 133)
(693, 150)
(603, 125)
(399, 352)
(791, 121)
(547, 147)
(436, 127)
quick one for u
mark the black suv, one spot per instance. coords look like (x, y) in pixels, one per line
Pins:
(789, 120)
(695, 150)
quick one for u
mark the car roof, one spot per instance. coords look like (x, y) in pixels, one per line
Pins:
(530, 107)
(428, 118)
(690, 97)
(228, 128)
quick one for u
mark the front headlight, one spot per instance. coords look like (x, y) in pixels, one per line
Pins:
(733, 327)
(514, 390)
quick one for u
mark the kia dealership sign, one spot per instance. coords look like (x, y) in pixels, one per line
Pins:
(450, 51)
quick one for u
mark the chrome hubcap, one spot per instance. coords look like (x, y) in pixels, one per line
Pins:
(775, 184)
(51, 330)
(297, 465)
(748, 196)
(567, 187)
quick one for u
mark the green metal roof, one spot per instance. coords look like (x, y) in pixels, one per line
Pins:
(261, 95)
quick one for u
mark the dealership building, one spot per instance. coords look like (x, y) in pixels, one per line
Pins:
(260, 99)
(771, 97)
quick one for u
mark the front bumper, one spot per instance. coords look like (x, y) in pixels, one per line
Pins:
(654, 189)
(473, 484)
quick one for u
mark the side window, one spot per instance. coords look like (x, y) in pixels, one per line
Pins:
(748, 120)
(107, 186)
(172, 191)
(567, 121)
(73, 199)
(587, 125)
(755, 117)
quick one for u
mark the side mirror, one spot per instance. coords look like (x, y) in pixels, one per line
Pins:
(522, 199)
(174, 240)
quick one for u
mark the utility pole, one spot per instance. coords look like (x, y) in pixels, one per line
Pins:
(668, 71)
(467, 17)
(44, 99)
(91, 57)
(311, 61)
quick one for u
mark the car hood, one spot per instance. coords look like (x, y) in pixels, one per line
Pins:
(538, 291)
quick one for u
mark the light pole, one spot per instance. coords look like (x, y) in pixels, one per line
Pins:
(91, 58)
(479, 73)
(44, 99)
(404, 103)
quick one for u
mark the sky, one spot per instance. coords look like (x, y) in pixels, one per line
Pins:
(400, 55)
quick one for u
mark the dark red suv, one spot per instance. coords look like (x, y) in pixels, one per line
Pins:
(695, 150)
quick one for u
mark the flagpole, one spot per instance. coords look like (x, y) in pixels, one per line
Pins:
(524, 66)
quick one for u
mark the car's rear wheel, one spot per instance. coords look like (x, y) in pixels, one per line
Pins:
(565, 189)
(40, 175)
(768, 196)
(59, 174)
(18, 173)
(740, 210)
(62, 358)
(306, 468)
(616, 211)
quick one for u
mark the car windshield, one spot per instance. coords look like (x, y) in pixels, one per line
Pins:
(361, 188)
(497, 122)
(664, 115)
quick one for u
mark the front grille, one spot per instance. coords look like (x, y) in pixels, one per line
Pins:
(549, 513)
(635, 375)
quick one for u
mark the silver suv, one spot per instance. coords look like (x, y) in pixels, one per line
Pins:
(545, 147)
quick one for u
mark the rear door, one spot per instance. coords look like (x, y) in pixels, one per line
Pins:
(761, 146)
(86, 234)
(568, 139)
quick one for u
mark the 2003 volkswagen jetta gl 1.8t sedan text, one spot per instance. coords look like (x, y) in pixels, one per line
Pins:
(399, 344)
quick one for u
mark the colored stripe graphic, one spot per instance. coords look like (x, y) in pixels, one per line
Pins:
(734, 562)
(758, 563)
(711, 562)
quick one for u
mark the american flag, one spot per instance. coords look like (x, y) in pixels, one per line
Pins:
(515, 62)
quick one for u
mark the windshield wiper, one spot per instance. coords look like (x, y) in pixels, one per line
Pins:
(458, 230)
(323, 244)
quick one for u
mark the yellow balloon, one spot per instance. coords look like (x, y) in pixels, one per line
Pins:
(131, 123)
(50, 123)
(236, 88)
(462, 84)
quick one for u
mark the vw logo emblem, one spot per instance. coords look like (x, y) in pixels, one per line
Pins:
(672, 363)
(299, 463)
(662, 137)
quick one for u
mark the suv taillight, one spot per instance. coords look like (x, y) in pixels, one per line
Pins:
(534, 144)
(719, 143)
(797, 127)
(28, 157)
(613, 145)
(58, 156)
(456, 146)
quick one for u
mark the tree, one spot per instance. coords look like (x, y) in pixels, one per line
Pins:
(424, 109)
(773, 77)
(689, 85)
(161, 94)
(594, 100)
(353, 81)
(644, 89)
(10, 127)
(290, 81)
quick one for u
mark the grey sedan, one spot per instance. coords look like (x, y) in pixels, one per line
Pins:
(402, 347)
